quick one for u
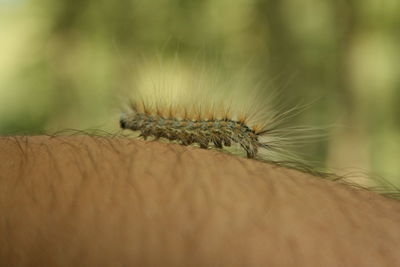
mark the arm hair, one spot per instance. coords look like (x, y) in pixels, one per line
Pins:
(92, 201)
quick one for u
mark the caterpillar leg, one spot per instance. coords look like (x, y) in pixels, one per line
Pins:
(218, 143)
(250, 155)
(203, 145)
(186, 142)
(144, 135)
(251, 151)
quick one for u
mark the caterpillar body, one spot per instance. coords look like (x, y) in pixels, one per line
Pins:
(217, 131)
(189, 106)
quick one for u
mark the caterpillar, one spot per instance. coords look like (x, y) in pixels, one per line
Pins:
(194, 129)
(195, 110)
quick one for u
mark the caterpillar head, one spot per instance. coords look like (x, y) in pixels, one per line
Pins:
(130, 121)
(122, 121)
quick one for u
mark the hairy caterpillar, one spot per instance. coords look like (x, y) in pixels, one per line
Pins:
(195, 129)
(195, 109)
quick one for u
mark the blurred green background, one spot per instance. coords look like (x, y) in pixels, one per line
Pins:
(62, 63)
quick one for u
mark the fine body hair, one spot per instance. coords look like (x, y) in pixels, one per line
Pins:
(103, 201)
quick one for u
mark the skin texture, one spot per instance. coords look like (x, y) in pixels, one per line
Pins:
(91, 201)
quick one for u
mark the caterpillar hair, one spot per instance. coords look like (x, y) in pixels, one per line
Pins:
(198, 108)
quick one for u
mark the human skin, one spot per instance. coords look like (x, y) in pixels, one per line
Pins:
(95, 201)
